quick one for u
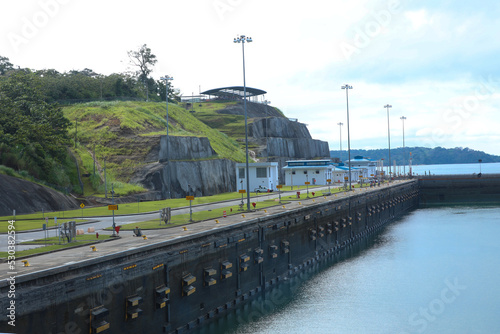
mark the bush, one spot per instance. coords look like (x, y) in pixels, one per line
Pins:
(7, 170)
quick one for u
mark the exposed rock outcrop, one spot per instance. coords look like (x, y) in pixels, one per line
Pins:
(253, 110)
(203, 177)
(27, 197)
(297, 148)
(278, 127)
(194, 169)
(185, 148)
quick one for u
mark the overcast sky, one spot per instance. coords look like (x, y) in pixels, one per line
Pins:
(435, 62)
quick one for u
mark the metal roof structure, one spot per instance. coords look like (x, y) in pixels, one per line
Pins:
(234, 92)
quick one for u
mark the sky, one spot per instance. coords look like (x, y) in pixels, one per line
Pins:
(435, 62)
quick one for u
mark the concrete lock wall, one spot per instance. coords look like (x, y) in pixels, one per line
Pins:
(178, 285)
(453, 189)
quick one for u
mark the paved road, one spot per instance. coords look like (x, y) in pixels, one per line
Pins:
(100, 223)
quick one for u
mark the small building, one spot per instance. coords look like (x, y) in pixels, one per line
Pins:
(262, 174)
(340, 174)
(298, 172)
(368, 166)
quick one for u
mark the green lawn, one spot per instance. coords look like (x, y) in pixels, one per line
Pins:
(81, 240)
(55, 240)
(24, 225)
(199, 216)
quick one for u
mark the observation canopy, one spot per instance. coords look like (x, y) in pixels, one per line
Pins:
(233, 92)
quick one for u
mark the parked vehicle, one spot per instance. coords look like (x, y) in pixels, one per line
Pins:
(262, 189)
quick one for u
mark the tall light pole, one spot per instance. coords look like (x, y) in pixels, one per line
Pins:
(347, 87)
(167, 78)
(404, 152)
(242, 39)
(340, 127)
(389, 137)
(266, 102)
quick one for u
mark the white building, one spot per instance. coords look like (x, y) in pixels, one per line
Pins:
(298, 172)
(368, 166)
(263, 174)
(340, 174)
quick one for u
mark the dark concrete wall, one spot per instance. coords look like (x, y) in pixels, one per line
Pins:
(272, 248)
(453, 189)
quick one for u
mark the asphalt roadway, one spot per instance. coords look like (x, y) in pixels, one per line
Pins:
(128, 240)
(100, 223)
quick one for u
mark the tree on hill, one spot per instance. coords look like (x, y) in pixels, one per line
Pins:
(144, 60)
(5, 65)
(33, 133)
(86, 85)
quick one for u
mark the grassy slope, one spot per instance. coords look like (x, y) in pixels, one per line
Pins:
(116, 127)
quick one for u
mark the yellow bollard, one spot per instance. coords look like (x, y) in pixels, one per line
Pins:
(144, 237)
(26, 263)
(94, 249)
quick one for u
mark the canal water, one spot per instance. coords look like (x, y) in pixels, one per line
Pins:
(473, 168)
(435, 270)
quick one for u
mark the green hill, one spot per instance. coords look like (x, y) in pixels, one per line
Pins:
(123, 134)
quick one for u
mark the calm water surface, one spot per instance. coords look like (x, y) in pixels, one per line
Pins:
(436, 270)
(486, 168)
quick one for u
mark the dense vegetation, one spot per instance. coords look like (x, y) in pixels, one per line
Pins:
(423, 155)
(33, 133)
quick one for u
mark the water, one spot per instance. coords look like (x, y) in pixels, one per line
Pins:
(475, 168)
(435, 270)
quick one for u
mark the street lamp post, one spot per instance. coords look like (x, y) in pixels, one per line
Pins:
(340, 127)
(266, 103)
(167, 78)
(113, 201)
(404, 151)
(347, 87)
(389, 138)
(242, 39)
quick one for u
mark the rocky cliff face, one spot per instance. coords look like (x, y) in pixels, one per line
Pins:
(280, 139)
(185, 148)
(198, 178)
(195, 171)
(278, 127)
(28, 197)
(296, 148)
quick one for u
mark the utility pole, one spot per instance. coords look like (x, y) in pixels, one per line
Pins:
(105, 181)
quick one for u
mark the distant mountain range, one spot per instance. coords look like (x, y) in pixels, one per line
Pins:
(422, 155)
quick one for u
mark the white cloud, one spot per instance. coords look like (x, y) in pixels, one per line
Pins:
(418, 18)
(423, 58)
